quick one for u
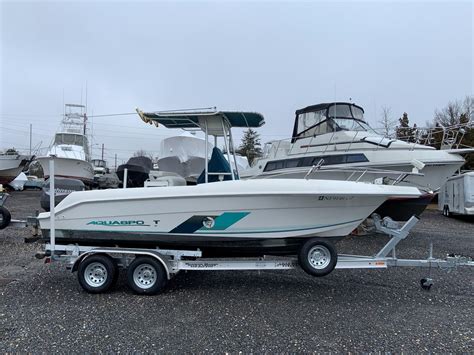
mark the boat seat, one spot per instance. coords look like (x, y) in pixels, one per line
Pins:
(217, 164)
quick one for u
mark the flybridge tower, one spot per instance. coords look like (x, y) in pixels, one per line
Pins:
(75, 119)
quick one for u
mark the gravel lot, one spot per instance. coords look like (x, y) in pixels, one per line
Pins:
(43, 308)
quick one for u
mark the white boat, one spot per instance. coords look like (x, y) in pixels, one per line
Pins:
(11, 165)
(100, 166)
(183, 155)
(70, 148)
(336, 137)
(229, 217)
(254, 216)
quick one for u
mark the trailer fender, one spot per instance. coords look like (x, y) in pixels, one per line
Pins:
(162, 259)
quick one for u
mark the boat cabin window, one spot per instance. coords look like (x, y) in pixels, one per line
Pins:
(310, 161)
(70, 139)
(98, 163)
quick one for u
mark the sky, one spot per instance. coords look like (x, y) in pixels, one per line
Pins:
(265, 56)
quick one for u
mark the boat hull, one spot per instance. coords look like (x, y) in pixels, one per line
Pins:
(11, 166)
(69, 168)
(235, 216)
(401, 209)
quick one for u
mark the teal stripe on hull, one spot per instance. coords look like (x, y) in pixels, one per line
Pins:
(278, 230)
(213, 233)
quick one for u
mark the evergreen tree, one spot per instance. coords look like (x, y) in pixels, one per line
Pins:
(404, 131)
(250, 146)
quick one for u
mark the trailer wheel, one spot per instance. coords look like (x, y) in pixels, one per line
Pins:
(5, 217)
(97, 273)
(146, 276)
(317, 258)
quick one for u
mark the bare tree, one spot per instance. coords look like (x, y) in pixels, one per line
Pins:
(468, 108)
(387, 122)
(142, 153)
(456, 112)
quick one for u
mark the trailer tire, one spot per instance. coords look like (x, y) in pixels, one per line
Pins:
(97, 273)
(5, 217)
(146, 276)
(317, 258)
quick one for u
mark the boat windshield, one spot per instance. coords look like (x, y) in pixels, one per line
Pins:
(349, 124)
(335, 117)
(70, 139)
(98, 163)
(345, 111)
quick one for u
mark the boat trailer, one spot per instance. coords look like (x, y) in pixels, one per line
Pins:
(170, 262)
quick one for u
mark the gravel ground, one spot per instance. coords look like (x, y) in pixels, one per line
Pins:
(43, 308)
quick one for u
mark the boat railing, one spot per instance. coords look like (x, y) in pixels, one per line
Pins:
(389, 177)
(438, 137)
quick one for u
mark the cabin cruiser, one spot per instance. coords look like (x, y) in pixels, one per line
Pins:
(11, 165)
(336, 138)
(70, 148)
(228, 217)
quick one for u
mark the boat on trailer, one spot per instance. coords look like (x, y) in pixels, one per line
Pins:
(236, 217)
(253, 217)
(182, 226)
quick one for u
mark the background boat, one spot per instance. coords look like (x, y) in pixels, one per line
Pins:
(70, 148)
(138, 169)
(11, 165)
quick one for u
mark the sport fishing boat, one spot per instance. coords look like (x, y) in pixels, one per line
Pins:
(233, 217)
(70, 148)
(11, 165)
(336, 138)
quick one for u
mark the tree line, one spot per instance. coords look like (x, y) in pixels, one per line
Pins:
(451, 127)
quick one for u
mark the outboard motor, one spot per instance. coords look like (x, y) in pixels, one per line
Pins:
(62, 187)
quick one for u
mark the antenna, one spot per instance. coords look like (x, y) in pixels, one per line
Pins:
(86, 96)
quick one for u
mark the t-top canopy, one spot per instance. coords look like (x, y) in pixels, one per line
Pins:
(191, 118)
